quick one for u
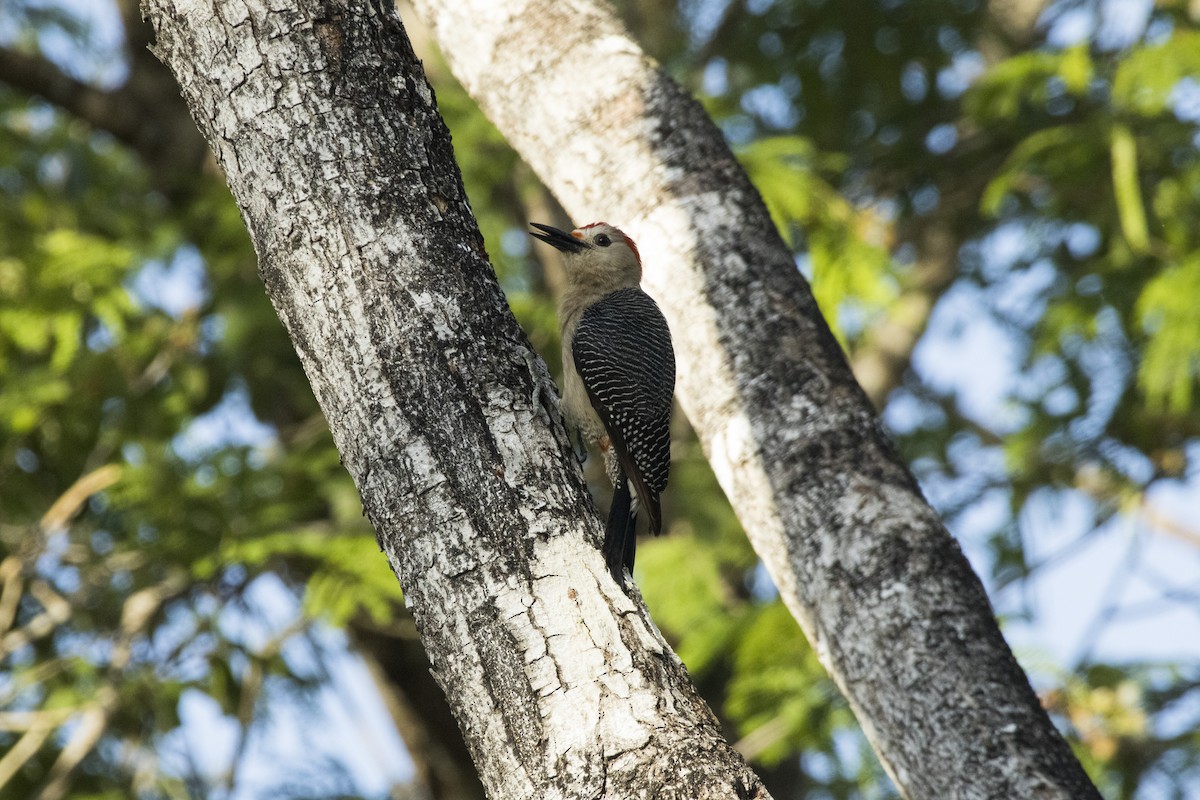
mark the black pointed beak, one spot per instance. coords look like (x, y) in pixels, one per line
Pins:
(558, 239)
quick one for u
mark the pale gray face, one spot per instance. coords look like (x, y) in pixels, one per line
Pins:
(598, 249)
(601, 235)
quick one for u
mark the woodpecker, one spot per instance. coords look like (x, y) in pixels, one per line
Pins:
(618, 375)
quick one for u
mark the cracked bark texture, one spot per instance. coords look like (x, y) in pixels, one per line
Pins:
(883, 592)
(321, 117)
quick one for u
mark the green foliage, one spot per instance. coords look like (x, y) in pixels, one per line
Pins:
(694, 605)
(1064, 156)
(1021, 85)
(1167, 310)
(347, 575)
(779, 686)
(105, 509)
(1144, 81)
(850, 268)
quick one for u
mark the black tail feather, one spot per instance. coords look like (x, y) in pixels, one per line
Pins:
(620, 535)
(631, 541)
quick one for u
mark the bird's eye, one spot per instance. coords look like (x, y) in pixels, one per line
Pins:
(603, 240)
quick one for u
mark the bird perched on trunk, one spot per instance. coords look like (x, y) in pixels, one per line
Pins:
(618, 375)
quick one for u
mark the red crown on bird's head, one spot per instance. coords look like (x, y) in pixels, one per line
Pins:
(628, 241)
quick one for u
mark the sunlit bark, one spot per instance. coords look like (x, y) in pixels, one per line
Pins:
(882, 591)
(326, 129)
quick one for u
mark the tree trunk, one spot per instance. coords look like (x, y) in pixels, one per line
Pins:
(321, 117)
(881, 589)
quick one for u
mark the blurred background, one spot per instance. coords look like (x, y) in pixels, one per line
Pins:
(997, 203)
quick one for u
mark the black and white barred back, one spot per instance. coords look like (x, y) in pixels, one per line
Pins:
(622, 351)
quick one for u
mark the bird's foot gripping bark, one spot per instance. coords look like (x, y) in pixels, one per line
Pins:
(579, 446)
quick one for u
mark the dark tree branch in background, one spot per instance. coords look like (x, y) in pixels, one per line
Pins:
(1013, 26)
(38, 75)
(882, 591)
(136, 615)
(884, 355)
(442, 413)
(417, 707)
(885, 352)
(171, 146)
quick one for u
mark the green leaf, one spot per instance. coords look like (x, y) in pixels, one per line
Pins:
(850, 267)
(1145, 79)
(691, 605)
(1060, 155)
(1023, 81)
(349, 573)
(1128, 193)
(1167, 312)
(778, 690)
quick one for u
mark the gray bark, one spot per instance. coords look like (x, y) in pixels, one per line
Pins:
(321, 117)
(881, 589)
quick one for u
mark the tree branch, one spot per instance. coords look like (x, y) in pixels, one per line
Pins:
(10, 591)
(91, 725)
(885, 353)
(136, 614)
(884, 356)
(38, 75)
(418, 709)
(442, 413)
(25, 748)
(882, 591)
(56, 612)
